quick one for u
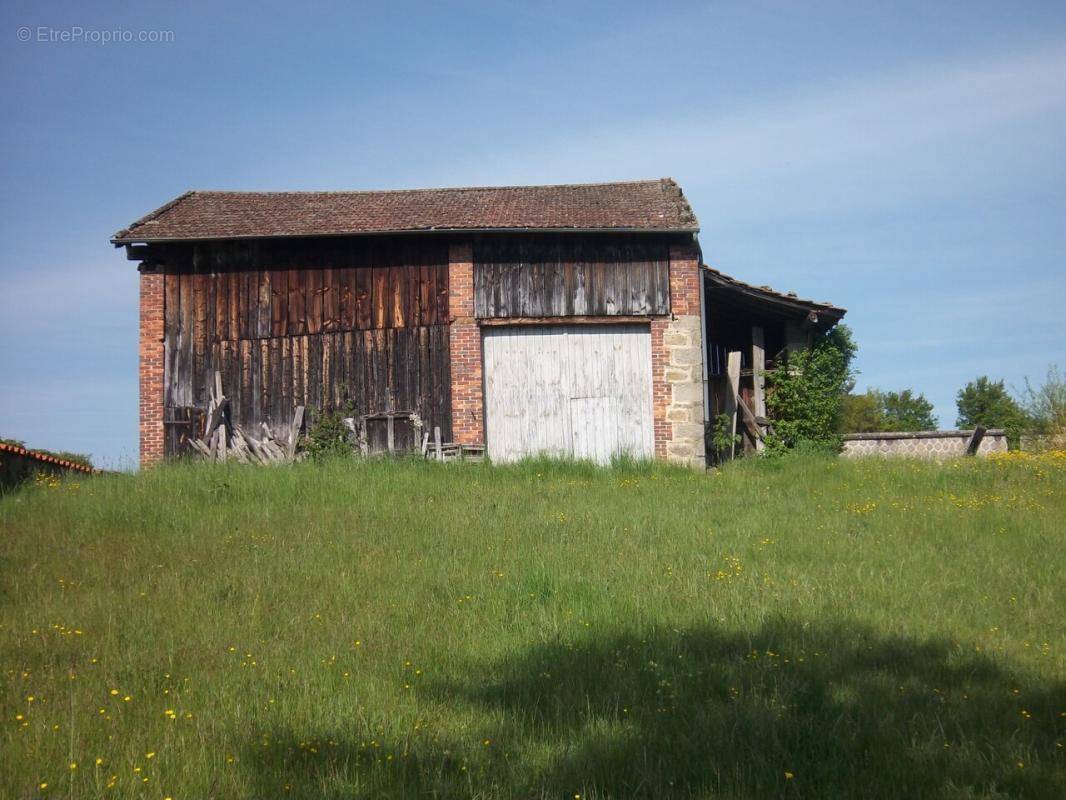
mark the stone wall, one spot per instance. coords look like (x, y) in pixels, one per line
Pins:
(920, 444)
(678, 413)
(677, 365)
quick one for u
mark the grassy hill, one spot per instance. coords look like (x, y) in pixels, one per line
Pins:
(795, 628)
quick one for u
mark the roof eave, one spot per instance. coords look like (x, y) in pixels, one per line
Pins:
(124, 237)
(775, 299)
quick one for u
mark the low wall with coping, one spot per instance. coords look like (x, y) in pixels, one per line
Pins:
(921, 444)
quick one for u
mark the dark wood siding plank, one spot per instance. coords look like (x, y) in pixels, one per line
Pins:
(364, 291)
(379, 297)
(330, 300)
(279, 302)
(314, 300)
(346, 298)
(234, 312)
(397, 296)
(171, 340)
(297, 306)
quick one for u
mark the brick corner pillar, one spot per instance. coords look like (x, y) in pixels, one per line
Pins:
(151, 369)
(677, 365)
(464, 346)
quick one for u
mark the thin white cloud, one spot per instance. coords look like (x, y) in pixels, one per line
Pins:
(923, 130)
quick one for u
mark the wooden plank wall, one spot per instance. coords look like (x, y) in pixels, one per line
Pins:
(571, 276)
(340, 326)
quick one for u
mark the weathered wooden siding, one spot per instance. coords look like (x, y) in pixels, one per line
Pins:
(571, 276)
(579, 391)
(327, 326)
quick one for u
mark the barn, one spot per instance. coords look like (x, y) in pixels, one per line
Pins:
(569, 320)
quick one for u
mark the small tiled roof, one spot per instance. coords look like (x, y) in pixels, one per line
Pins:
(784, 300)
(656, 205)
(47, 459)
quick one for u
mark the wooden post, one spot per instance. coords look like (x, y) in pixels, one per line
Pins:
(732, 371)
(437, 443)
(294, 434)
(974, 441)
(758, 377)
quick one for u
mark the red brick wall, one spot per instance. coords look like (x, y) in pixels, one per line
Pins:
(684, 279)
(151, 369)
(660, 389)
(465, 349)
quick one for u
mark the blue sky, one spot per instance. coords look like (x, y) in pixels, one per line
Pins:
(903, 160)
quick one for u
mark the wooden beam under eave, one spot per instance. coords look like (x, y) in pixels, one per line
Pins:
(578, 320)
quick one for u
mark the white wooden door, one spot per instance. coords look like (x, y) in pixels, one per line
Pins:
(580, 391)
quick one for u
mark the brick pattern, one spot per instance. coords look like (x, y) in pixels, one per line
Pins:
(660, 389)
(151, 369)
(684, 280)
(464, 343)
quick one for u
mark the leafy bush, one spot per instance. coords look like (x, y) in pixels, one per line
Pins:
(328, 437)
(806, 391)
(722, 435)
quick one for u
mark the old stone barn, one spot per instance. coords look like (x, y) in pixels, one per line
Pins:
(570, 320)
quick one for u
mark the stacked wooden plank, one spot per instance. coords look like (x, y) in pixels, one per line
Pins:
(224, 440)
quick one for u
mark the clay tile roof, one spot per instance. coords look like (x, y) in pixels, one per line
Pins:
(656, 205)
(45, 458)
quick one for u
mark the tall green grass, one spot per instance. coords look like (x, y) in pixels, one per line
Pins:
(796, 628)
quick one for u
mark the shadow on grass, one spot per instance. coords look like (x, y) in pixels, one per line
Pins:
(788, 711)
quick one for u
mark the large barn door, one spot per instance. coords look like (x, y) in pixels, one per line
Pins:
(581, 391)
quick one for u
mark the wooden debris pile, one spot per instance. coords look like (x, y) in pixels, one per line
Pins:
(224, 440)
(450, 451)
(381, 434)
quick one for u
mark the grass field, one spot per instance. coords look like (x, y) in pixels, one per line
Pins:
(803, 627)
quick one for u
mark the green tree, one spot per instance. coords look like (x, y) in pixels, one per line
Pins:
(988, 403)
(906, 411)
(876, 410)
(1046, 405)
(860, 413)
(806, 391)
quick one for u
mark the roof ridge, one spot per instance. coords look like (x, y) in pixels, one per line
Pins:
(656, 204)
(647, 182)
